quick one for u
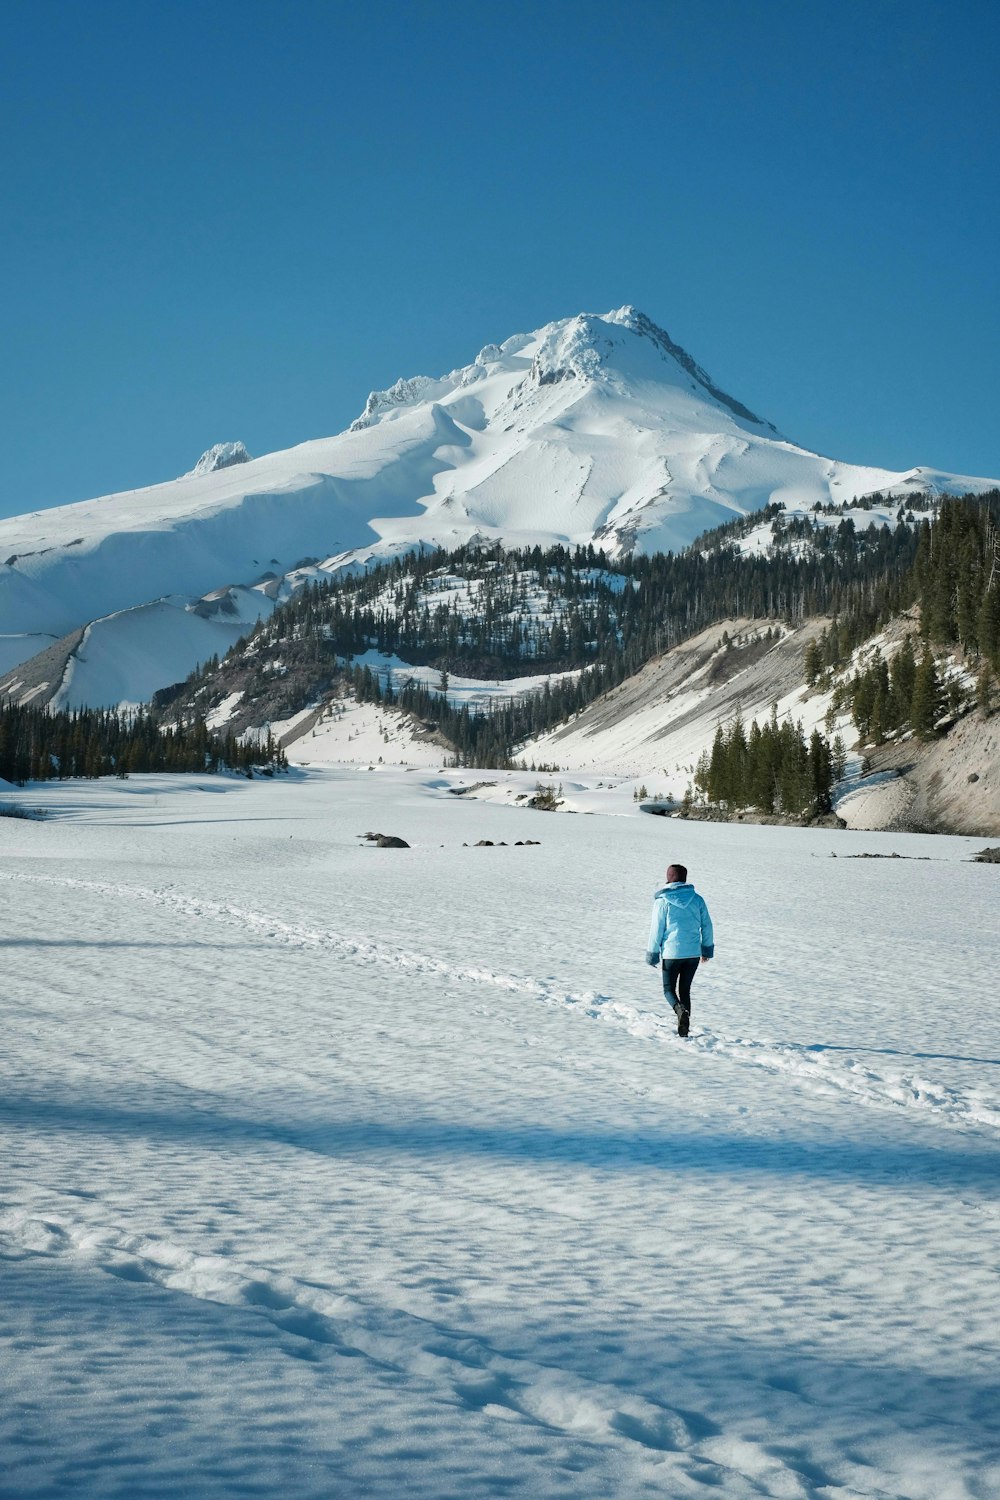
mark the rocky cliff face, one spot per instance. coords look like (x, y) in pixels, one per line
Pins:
(951, 785)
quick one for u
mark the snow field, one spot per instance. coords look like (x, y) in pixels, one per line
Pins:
(344, 731)
(330, 1169)
(475, 693)
(124, 658)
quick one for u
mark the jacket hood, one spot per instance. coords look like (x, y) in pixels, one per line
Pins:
(677, 894)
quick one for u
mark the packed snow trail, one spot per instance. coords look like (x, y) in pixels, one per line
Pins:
(808, 1066)
(326, 1171)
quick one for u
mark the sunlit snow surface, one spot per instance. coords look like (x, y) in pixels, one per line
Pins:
(337, 1171)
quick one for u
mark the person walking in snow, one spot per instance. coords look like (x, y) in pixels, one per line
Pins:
(680, 937)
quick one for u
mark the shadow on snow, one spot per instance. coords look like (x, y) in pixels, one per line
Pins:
(971, 1163)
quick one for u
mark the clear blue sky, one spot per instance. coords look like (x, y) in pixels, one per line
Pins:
(231, 220)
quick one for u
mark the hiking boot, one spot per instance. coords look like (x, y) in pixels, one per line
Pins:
(683, 1020)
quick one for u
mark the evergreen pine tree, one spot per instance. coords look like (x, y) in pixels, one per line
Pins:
(926, 706)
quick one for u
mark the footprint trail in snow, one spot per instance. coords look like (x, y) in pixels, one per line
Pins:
(807, 1065)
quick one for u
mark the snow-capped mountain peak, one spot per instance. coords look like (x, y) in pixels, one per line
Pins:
(594, 428)
(616, 350)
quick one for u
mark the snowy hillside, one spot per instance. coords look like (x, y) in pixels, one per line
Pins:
(337, 1171)
(592, 428)
(657, 723)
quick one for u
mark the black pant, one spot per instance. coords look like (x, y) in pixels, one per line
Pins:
(679, 972)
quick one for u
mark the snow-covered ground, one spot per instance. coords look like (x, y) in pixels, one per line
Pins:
(345, 732)
(330, 1170)
(125, 657)
(761, 539)
(474, 693)
(17, 648)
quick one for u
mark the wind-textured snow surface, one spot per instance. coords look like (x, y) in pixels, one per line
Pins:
(334, 1170)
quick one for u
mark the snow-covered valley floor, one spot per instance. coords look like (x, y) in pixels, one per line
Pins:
(329, 1170)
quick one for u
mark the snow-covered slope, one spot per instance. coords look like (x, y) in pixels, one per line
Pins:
(592, 428)
(125, 657)
(655, 725)
(339, 1173)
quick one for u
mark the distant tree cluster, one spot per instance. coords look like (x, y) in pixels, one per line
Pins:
(956, 577)
(891, 698)
(837, 643)
(38, 746)
(772, 768)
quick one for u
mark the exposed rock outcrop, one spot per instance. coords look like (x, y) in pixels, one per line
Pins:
(220, 456)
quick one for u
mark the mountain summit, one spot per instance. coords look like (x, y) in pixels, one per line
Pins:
(596, 428)
(607, 350)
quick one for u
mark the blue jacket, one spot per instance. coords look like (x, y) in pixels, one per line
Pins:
(681, 926)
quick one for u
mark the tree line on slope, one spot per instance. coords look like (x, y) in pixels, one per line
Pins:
(486, 736)
(887, 698)
(595, 610)
(955, 586)
(557, 609)
(39, 746)
(956, 577)
(954, 582)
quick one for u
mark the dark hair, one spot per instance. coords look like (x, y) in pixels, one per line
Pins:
(677, 873)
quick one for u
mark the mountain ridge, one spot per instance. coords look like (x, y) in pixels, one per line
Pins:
(593, 429)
